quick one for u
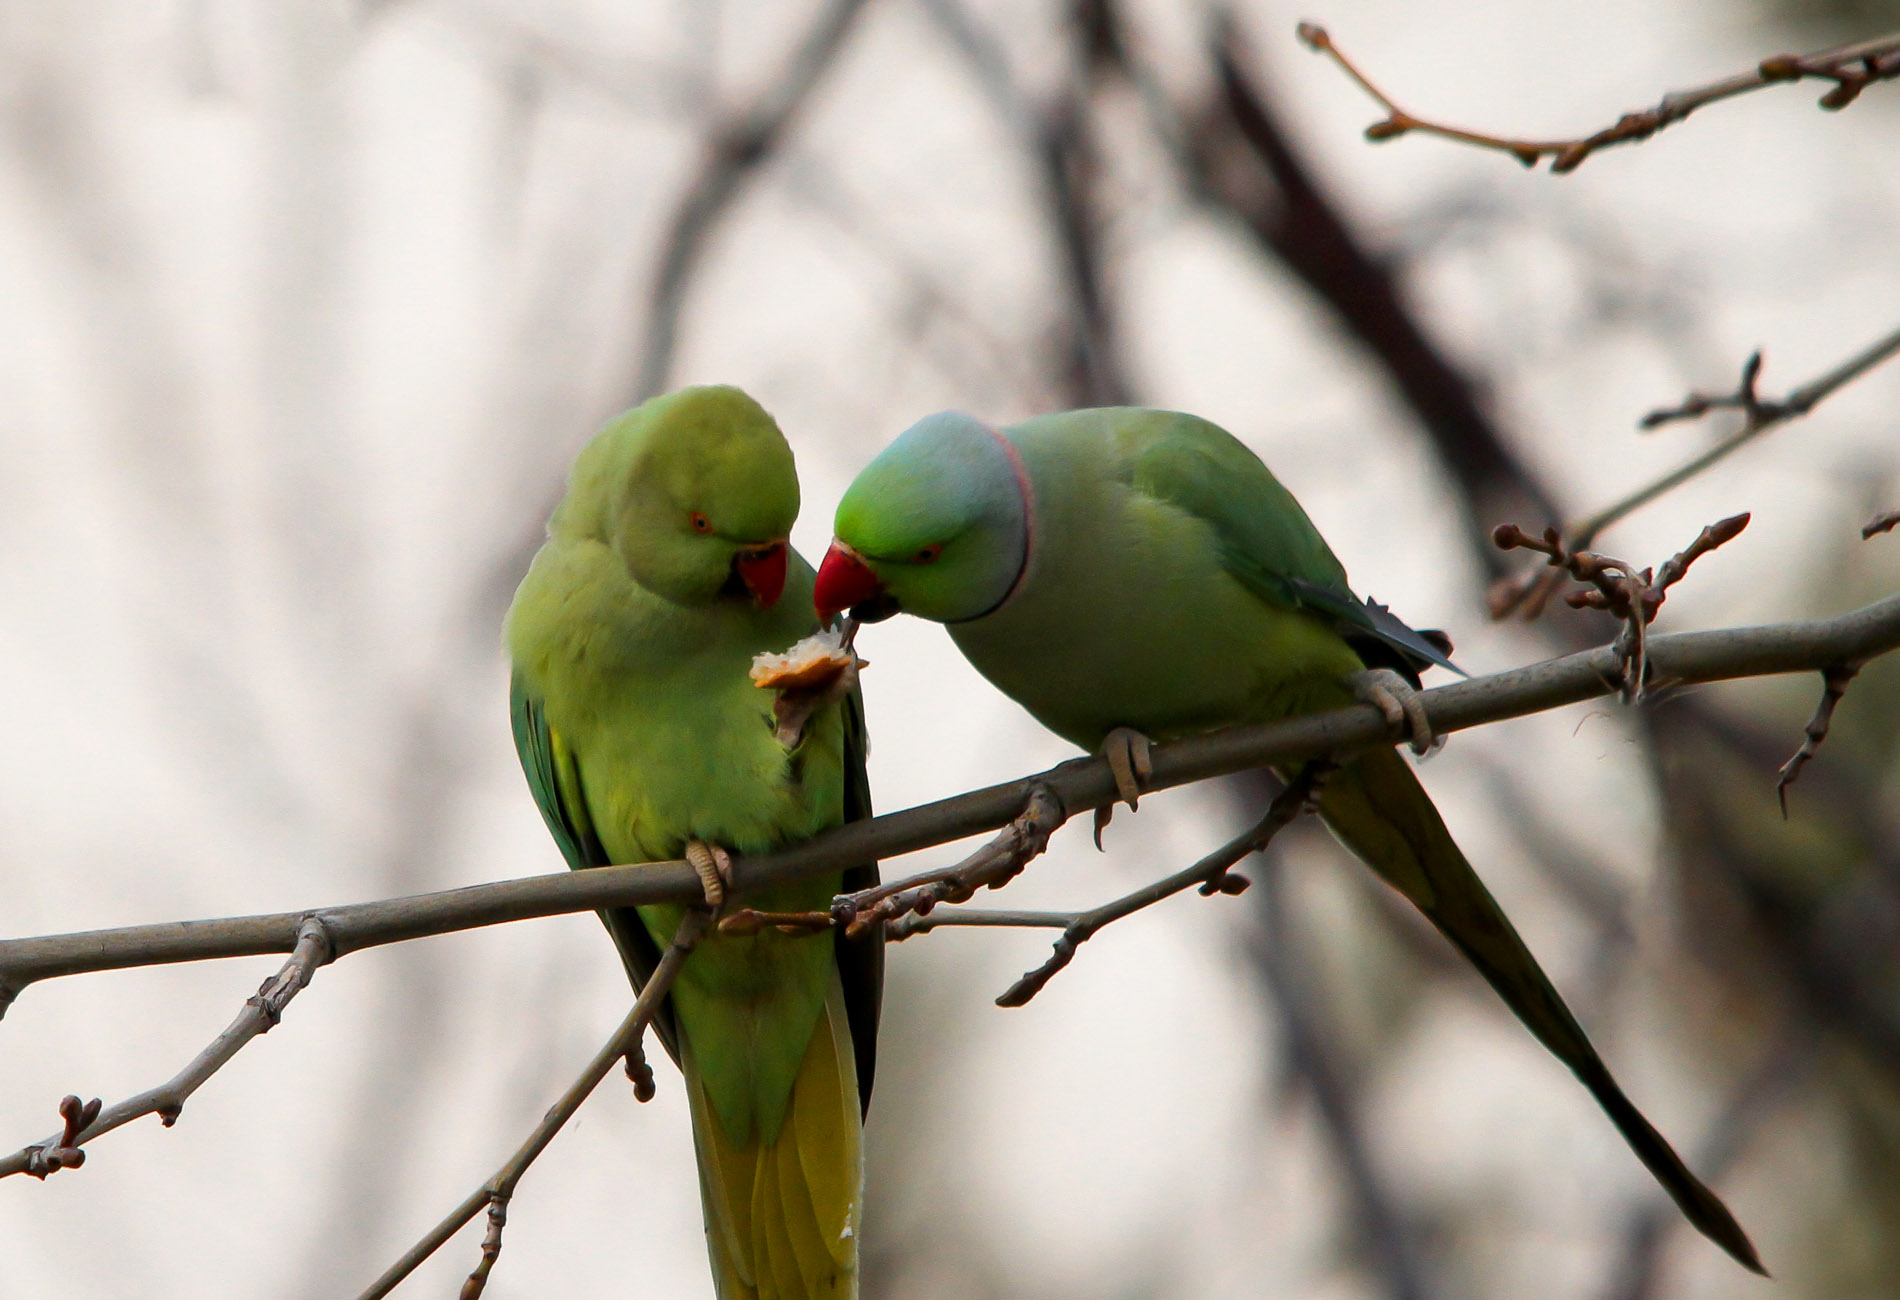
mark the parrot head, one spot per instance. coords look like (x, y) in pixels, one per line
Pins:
(938, 525)
(695, 491)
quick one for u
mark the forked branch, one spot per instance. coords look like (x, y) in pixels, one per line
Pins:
(1213, 873)
(262, 1010)
(1632, 595)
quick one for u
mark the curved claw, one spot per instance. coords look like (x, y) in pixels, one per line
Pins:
(713, 866)
(1400, 702)
(1127, 753)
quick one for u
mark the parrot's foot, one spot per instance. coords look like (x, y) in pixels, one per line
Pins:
(1127, 753)
(1400, 702)
(713, 866)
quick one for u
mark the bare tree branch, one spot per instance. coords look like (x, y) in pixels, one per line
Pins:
(262, 1010)
(496, 1192)
(1761, 416)
(1083, 783)
(1834, 681)
(1852, 68)
(1212, 873)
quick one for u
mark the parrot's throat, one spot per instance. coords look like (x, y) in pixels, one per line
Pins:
(1026, 501)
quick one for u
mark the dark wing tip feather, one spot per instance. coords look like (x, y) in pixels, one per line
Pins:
(860, 960)
(1369, 621)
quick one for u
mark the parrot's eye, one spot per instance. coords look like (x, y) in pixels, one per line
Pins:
(928, 555)
(700, 523)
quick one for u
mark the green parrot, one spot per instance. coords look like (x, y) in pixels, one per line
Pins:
(1134, 574)
(665, 571)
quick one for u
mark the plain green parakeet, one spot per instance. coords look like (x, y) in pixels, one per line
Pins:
(1133, 569)
(665, 571)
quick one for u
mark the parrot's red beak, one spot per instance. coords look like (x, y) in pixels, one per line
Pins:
(844, 580)
(762, 570)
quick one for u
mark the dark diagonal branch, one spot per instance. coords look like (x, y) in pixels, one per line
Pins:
(735, 149)
(1079, 785)
(1238, 157)
(1314, 1056)
(262, 1010)
(497, 1191)
(1851, 69)
(1060, 140)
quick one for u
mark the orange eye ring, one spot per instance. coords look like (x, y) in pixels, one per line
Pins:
(700, 523)
(927, 554)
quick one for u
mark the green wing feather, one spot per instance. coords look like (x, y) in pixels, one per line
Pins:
(1265, 539)
(553, 774)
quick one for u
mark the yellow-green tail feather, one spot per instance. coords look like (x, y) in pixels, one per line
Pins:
(1376, 806)
(782, 1214)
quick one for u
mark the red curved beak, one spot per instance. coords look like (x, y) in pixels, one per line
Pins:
(844, 580)
(762, 569)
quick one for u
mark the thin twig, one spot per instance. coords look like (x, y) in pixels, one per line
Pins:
(495, 1193)
(1761, 417)
(995, 864)
(1834, 682)
(1212, 873)
(1079, 785)
(1852, 68)
(262, 1010)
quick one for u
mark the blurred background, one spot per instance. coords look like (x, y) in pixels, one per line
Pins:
(307, 307)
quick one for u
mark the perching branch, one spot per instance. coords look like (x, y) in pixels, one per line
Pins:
(262, 1010)
(496, 1192)
(995, 864)
(1806, 645)
(1852, 68)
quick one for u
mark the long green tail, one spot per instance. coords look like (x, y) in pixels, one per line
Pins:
(1376, 806)
(782, 1210)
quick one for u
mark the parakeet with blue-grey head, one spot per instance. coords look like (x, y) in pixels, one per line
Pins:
(1124, 573)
